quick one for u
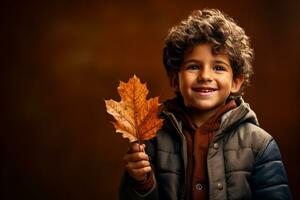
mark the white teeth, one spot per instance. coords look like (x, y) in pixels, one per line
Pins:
(206, 90)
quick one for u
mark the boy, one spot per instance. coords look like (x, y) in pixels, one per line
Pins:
(210, 146)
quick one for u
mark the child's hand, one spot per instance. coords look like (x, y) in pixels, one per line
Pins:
(137, 161)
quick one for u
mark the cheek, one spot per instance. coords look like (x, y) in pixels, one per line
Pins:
(184, 82)
(226, 82)
(187, 78)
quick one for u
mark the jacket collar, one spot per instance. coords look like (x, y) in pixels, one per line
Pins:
(237, 115)
(230, 119)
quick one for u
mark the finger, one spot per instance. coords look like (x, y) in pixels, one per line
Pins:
(138, 165)
(138, 178)
(139, 172)
(135, 147)
(133, 157)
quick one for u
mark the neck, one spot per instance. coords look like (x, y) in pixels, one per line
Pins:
(199, 117)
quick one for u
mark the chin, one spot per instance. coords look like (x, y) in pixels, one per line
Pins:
(201, 107)
(205, 106)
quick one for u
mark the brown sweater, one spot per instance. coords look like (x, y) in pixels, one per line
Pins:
(198, 141)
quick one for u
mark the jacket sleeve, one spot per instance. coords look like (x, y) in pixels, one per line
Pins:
(126, 189)
(269, 179)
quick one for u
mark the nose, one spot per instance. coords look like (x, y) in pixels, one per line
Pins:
(204, 74)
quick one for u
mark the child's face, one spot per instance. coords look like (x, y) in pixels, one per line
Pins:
(206, 80)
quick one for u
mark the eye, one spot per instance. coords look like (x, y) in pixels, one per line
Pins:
(192, 67)
(219, 68)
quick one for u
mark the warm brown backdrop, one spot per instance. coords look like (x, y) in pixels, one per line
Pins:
(61, 59)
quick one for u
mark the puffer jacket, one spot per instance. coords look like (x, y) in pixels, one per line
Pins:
(243, 161)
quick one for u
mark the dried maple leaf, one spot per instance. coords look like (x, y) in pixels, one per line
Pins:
(136, 117)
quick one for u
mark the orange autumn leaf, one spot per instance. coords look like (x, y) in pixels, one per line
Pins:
(136, 117)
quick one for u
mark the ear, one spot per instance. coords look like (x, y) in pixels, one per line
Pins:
(237, 83)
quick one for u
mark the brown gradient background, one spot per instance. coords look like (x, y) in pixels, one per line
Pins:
(61, 59)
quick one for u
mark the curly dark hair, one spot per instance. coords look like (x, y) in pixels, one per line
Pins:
(214, 27)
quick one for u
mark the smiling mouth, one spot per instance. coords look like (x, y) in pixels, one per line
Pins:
(204, 91)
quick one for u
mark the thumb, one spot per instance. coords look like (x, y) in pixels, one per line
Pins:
(136, 147)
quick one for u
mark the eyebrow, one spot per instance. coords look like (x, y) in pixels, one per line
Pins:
(222, 62)
(190, 60)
